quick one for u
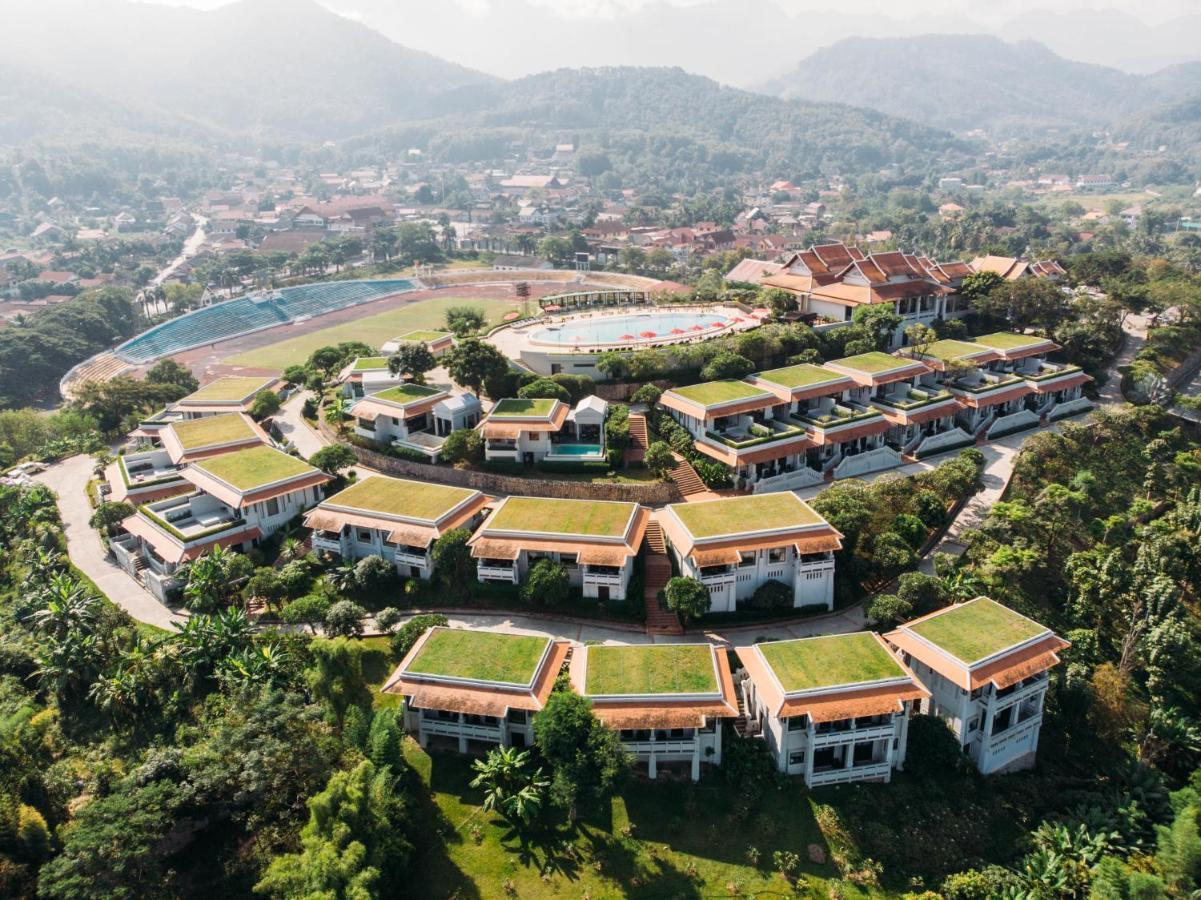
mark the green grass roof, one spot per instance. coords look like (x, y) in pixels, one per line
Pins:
(872, 363)
(479, 656)
(651, 669)
(364, 363)
(400, 497)
(515, 407)
(804, 375)
(710, 393)
(951, 350)
(978, 629)
(405, 394)
(836, 659)
(254, 467)
(230, 389)
(212, 430)
(424, 336)
(551, 516)
(739, 515)
(1007, 340)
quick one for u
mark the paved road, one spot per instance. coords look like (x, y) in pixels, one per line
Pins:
(294, 428)
(191, 247)
(69, 479)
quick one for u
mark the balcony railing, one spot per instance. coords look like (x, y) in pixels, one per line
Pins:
(1046, 371)
(509, 573)
(666, 746)
(837, 775)
(854, 735)
(915, 398)
(461, 729)
(983, 385)
(758, 433)
(836, 416)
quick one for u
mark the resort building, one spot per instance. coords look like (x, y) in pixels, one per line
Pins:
(141, 476)
(665, 700)
(736, 545)
(1057, 387)
(367, 375)
(476, 685)
(230, 394)
(438, 342)
(394, 518)
(986, 667)
(834, 709)
(237, 499)
(595, 540)
(414, 417)
(530, 431)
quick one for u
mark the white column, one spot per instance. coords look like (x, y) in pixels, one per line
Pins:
(696, 760)
(810, 734)
(652, 766)
(462, 737)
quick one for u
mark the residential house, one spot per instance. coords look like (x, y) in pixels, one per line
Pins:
(530, 431)
(666, 701)
(394, 518)
(437, 342)
(476, 686)
(596, 541)
(986, 668)
(414, 416)
(834, 709)
(239, 498)
(735, 545)
(229, 394)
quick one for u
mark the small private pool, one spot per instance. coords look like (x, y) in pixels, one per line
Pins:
(580, 452)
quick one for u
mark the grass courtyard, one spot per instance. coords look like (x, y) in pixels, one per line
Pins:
(372, 330)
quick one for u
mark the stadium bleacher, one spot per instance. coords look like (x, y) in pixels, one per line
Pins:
(243, 315)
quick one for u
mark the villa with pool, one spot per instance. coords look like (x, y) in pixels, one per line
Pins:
(530, 431)
(415, 417)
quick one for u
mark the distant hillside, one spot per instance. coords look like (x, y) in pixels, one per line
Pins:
(965, 81)
(287, 68)
(668, 115)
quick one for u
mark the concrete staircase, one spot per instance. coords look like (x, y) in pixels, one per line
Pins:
(659, 619)
(686, 478)
(639, 439)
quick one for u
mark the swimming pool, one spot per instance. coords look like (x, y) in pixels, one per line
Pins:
(633, 329)
(576, 450)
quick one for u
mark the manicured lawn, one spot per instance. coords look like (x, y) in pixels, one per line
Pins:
(1005, 340)
(711, 393)
(401, 497)
(979, 628)
(372, 330)
(951, 350)
(513, 407)
(835, 659)
(551, 516)
(212, 430)
(423, 335)
(872, 363)
(230, 389)
(655, 840)
(480, 656)
(255, 466)
(651, 669)
(367, 363)
(739, 515)
(804, 375)
(407, 393)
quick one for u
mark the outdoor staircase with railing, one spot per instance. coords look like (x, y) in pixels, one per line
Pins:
(686, 478)
(659, 619)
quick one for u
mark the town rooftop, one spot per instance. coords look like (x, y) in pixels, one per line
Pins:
(830, 661)
(650, 669)
(741, 515)
(479, 656)
(976, 630)
(551, 516)
(248, 469)
(400, 497)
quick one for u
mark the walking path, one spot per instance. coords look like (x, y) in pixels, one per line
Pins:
(69, 480)
(294, 428)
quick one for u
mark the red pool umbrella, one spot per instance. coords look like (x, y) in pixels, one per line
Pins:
(737, 319)
(627, 337)
(698, 327)
(678, 331)
(647, 334)
(719, 324)
(510, 316)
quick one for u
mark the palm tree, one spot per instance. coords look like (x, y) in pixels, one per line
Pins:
(67, 607)
(509, 789)
(342, 577)
(335, 412)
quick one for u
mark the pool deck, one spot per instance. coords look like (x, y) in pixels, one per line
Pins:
(513, 342)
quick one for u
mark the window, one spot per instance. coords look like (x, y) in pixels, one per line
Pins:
(364, 536)
(798, 723)
(395, 420)
(568, 559)
(273, 506)
(747, 559)
(777, 554)
(796, 758)
(973, 724)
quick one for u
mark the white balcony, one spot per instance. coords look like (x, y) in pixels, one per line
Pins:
(684, 747)
(864, 772)
(854, 736)
(497, 573)
(447, 728)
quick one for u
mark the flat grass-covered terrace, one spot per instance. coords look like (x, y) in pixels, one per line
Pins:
(404, 394)
(950, 350)
(801, 376)
(1007, 340)
(370, 363)
(423, 336)
(230, 389)
(254, 467)
(483, 656)
(977, 629)
(517, 408)
(418, 500)
(641, 670)
(873, 363)
(544, 515)
(712, 393)
(211, 431)
(743, 515)
(830, 661)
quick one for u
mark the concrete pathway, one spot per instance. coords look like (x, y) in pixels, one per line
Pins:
(294, 428)
(69, 479)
